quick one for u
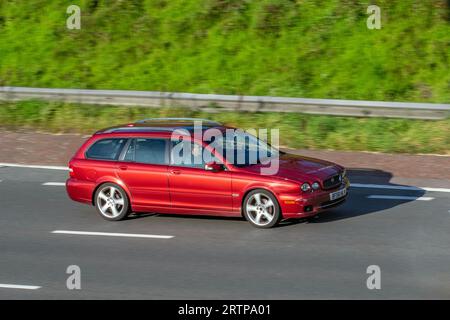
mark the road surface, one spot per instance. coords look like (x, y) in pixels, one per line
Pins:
(404, 231)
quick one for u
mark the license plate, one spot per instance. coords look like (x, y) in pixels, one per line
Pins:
(338, 194)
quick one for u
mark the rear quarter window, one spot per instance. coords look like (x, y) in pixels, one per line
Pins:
(106, 149)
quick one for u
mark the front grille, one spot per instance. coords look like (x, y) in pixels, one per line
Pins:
(332, 182)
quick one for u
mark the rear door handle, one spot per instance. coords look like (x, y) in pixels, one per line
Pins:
(175, 171)
(123, 167)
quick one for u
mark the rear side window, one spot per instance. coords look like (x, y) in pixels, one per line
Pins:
(150, 151)
(106, 149)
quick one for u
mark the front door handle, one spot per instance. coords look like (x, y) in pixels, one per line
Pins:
(175, 171)
(123, 167)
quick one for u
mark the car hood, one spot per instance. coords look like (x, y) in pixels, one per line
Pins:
(299, 168)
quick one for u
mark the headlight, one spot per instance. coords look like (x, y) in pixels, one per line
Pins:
(305, 187)
(315, 185)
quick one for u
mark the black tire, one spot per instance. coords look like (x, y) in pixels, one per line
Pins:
(118, 199)
(270, 210)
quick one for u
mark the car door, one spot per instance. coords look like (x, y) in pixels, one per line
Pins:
(195, 190)
(143, 168)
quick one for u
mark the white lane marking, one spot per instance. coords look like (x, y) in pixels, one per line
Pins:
(109, 234)
(57, 184)
(32, 166)
(354, 185)
(436, 189)
(18, 286)
(382, 196)
(384, 186)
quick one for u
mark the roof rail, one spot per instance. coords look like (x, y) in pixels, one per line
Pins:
(177, 119)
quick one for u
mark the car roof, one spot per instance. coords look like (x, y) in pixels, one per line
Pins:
(169, 125)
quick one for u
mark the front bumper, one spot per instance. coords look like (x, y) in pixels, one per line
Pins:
(310, 204)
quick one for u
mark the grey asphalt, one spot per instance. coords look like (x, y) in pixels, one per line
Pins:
(221, 258)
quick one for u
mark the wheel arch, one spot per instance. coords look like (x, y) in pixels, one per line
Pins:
(113, 181)
(258, 188)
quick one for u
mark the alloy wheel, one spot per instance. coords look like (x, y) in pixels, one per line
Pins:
(260, 209)
(110, 202)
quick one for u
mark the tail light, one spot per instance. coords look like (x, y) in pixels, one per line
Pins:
(71, 173)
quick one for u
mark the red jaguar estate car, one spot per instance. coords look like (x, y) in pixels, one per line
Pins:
(162, 166)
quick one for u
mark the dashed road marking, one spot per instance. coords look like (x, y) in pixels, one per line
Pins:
(18, 286)
(382, 196)
(110, 234)
(32, 166)
(354, 185)
(393, 187)
(56, 184)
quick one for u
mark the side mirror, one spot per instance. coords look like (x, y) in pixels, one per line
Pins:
(213, 166)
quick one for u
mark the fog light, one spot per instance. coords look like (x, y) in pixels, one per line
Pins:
(308, 208)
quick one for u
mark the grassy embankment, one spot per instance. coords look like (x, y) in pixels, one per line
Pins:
(319, 49)
(296, 130)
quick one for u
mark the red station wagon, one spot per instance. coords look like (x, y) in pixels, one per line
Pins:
(160, 165)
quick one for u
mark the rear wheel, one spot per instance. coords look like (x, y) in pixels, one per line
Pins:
(261, 209)
(111, 202)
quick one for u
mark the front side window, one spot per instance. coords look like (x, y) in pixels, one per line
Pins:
(186, 153)
(243, 149)
(106, 149)
(149, 151)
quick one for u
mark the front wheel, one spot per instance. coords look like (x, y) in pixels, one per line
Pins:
(112, 202)
(261, 209)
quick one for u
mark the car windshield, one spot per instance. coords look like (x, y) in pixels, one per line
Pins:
(243, 149)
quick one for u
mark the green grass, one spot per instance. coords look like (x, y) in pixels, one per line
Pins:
(296, 130)
(319, 49)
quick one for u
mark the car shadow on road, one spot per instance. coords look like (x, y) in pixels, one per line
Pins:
(183, 216)
(366, 200)
(357, 203)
